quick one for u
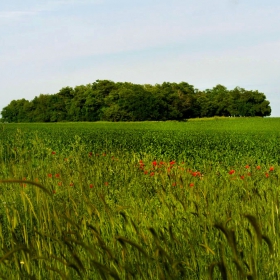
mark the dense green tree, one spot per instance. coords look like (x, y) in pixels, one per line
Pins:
(123, 101)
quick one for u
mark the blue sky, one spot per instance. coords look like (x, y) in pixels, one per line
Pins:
(47, 45)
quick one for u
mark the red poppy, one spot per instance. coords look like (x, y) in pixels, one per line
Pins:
(59, 183)
(247, 166)
(23, 185)
(106, 183)
(231, 172)
(146, 172)
(194, 174)
(258, 167)
(49, 175)
(152, 174)
(71, 184)
(266, 175)
(90, 154)
(57, 175)
(249, 174)
(173, 184)
(191, 185)
(271, 168)
(53, 152)
(91, 186)
(242, 177)
(154, 163)
(172, 162)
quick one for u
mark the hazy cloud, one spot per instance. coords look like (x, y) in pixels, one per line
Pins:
(50, 44)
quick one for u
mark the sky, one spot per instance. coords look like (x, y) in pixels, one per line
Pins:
(47, 45)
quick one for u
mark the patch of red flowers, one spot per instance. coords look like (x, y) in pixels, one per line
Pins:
(258, 167)
(53, 152)
(191, 185)
(271, 168)
(231, 172)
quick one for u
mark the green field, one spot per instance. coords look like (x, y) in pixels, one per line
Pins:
(149, 200)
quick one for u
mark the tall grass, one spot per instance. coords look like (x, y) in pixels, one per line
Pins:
(92, 210)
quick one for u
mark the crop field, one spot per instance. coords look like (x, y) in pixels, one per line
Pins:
(151, 200)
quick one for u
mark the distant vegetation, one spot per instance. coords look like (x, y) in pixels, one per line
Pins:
(110, 101)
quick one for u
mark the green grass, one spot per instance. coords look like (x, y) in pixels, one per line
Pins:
(151, 200)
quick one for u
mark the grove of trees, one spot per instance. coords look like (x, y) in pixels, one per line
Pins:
(123, 101)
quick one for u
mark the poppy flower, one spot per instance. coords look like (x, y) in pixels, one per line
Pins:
(154, 163)
(90, 154)
(71, 184)
(59, 183)
(258, 167)
(247, 166)
(91, 186)
(152, 174)
(242, 177)
(106, 183)
(231, 172)
(271, 168)
(53, 152)
(57, 175)
(173, 184)
(266, 175)
(194, 174)
(191, 185)
(49, 175)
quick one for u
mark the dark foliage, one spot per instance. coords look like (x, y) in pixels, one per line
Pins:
(110, 101)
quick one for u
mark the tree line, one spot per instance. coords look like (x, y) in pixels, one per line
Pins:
(123, 101)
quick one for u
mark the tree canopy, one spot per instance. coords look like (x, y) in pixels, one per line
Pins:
(123, 101)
